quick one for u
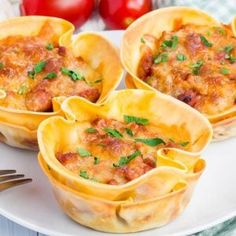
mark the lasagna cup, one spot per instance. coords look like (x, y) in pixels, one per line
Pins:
(187, 54)
(137, 149)
(40, 66)
(121, 216)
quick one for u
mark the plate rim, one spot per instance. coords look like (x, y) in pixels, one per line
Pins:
(39, 229)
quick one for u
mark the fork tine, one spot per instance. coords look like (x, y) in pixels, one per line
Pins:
(9, 177)
(6, 172)
(6, 185)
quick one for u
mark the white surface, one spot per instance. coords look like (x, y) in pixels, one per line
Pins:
(9, 228)
(6, 10)
(33, 205)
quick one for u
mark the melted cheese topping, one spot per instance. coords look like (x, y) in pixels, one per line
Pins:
(31, 73)
(195, 64)
(114, 152)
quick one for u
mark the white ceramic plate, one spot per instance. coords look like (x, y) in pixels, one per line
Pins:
(33, 205)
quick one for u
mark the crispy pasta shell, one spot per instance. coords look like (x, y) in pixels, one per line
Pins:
(18, 127)
(149, 201)
(98, 53)
(167, 19)
(122, 216)
(57, 134)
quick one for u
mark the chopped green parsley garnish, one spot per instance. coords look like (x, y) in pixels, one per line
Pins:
(166, 43)
(83, 152)
(97, 81)
(137, 120)
(196, 67)
(51, 75)
(162, 57)
(72, 74)
(208, 33)
(228, 48)
(49, 46)
(37, 69)
(113, 132)
(175, 41)
(1, 65)
(172, 140)
(124, 160)
(96, 160)
(205, 41)
(224, 71)
(142, 40)
(172, 43)
(129, 132)
(84, 174)
(22, 90)
(150, 141)
(219, 30)
(184, 143)
(31, 74)
(91, 130)
(181, 57)
(232, 59)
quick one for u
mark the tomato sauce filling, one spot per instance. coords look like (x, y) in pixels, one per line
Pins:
(116, 152)
(195, 64)
(35, 69)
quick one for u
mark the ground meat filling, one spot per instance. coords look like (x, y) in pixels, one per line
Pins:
(34, 70)
(115, 152)
(195, 64)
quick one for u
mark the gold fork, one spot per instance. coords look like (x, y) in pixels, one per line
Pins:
(9, 179)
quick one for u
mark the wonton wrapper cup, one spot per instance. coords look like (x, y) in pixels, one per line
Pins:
(125, 215)
(18, 128)
(154, 23)
(175, 119)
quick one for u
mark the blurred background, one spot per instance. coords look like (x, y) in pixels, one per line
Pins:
(108, 14)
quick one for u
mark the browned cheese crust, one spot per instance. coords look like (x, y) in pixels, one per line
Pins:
(116, 152)
(195, 64)
(35, 69)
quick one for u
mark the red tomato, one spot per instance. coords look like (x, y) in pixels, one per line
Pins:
(119, 14)
(75, 11)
